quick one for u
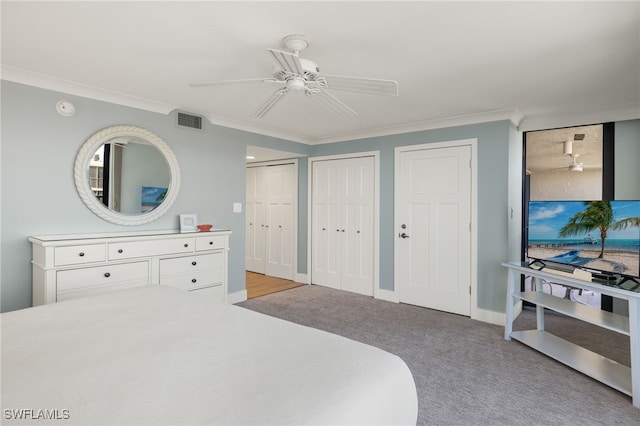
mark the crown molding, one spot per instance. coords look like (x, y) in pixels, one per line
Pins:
(514, 115)
(42, 81)
(607, 114)
(253, 128)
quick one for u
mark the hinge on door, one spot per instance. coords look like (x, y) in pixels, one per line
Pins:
(469, 163)
(469, 290)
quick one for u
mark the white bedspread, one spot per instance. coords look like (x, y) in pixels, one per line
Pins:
(157, 355)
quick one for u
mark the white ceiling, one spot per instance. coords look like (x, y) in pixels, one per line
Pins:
(540, 64)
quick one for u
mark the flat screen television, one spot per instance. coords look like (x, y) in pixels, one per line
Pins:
(602, 237)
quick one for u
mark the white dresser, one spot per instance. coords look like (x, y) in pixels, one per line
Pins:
(71, 266)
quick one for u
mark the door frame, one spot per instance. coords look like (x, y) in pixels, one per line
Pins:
(294, 246)
(376, 212)
(473, 143)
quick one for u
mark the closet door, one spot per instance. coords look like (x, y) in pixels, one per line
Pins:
(357, 226)
(326, 248)
(256, 220)
(280, 182)
(342, 224)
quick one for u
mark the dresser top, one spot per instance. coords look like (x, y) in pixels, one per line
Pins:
(125, 234)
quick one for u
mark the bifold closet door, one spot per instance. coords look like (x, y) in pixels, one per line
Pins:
(342, 224)
(270, 206)
(256, 220)
(279, 232)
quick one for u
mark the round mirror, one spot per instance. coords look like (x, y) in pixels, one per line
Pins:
(127, 175)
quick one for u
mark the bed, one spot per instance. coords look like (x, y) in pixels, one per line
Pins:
(157, 355)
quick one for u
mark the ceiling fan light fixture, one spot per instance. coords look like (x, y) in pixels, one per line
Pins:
(576, 167)
(296, 84)
(567, 148)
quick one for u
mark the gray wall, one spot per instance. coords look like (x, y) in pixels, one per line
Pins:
(38, 194)
(627, 155)
(493, 162)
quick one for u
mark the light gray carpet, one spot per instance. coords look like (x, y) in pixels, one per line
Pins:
(465, 372)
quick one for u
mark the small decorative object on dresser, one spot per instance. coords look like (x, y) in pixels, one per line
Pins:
(188, 222)
(72, 266)
(205, 228)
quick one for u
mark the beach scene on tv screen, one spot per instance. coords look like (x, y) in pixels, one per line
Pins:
(599, 235)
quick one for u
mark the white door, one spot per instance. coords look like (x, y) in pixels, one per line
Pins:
(343, 224)
(279, 228)
(433, 228)
(256, 220)
(270, 209)
(356, 227)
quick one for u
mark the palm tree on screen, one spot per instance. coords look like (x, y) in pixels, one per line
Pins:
(597, 216)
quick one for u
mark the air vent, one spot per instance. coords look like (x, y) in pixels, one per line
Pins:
(190, 121)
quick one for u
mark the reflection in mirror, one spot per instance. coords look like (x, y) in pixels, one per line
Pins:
(127, 175)
(565, 164)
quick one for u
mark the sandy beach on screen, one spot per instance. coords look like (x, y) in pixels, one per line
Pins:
(618, 261)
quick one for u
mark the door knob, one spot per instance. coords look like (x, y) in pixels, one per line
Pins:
(403, 235)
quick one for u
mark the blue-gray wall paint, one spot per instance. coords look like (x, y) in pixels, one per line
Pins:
(627, 155)
(38, 193)
(38, 196)
(493, 148)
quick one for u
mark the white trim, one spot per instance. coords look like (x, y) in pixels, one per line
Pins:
(473, 143)
(388, 295)
(491, 317)
(47, 82)
(580, 118)
(237, 297)
(294, 162)
(301, 278)
(376, 211)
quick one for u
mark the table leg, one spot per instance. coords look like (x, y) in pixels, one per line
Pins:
(539, 309)
(508, 327)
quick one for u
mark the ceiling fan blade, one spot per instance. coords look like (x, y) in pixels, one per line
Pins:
(287, 61)
(270, 103)
(246, 80)
(371, 86)
(332, 104)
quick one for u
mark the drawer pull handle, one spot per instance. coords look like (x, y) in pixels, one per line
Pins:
(107, 275)
(120, 250)
(81, 254)
(210, 243)
(193, 280)
(186, 245)
(194, 263)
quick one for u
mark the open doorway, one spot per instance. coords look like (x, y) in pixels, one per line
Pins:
(271, 201)
(567, 164)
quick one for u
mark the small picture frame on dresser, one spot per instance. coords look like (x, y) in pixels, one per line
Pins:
(188, 222)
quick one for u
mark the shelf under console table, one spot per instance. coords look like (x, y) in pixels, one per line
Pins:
(620, 377)
(72, 266)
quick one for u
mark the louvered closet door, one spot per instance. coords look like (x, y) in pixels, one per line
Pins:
(342, 224)
(256, 220)
(280, 202)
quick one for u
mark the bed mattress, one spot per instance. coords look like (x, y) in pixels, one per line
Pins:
(157, 355)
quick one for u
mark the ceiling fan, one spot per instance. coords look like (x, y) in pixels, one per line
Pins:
(296, 74)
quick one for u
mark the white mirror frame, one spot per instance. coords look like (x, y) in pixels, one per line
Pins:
(81, 174)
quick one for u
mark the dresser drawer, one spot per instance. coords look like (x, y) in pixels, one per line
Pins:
(182, 265)
(86, 278)
(128, 250)
(198, 279)
(212, 242)
(76, 255)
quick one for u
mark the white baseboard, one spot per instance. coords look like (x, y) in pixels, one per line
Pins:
(492, 317)
(301, 278)
(237, 297)
(388, 295)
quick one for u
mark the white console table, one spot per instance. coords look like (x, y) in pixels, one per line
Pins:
(609, 372)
